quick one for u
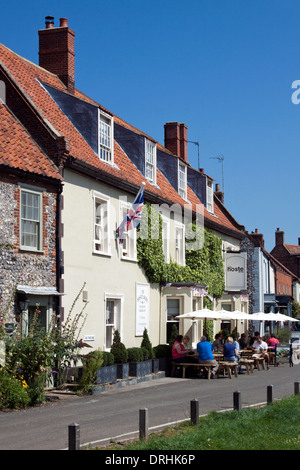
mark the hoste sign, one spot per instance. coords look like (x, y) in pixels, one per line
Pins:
(235, 271)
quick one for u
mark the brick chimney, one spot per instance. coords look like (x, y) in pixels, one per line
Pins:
(56, 51)
(219, 193)
(258, 238)
(176, 139)
(279, 237)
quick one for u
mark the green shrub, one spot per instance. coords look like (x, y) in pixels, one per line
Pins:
(91, 363)
(12, 392)
(108, 359)
(146, 343)
(162, 350)
(118, 349)
(135, 355)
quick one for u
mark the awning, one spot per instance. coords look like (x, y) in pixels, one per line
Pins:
(38, 290)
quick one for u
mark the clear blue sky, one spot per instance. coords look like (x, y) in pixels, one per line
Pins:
(223, 67)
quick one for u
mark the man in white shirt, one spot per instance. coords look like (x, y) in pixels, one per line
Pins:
(261, 350)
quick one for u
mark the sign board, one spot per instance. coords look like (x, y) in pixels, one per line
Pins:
(235, 271)
(142, 308)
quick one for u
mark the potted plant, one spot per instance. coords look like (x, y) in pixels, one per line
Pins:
(120, 353)
(91, 363)
(146, 343)
(138, 364)
(108, 371)
(163, 353)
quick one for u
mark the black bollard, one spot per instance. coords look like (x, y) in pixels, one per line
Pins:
(74, 436)
(195, 411)
(269, 393)
(143, 423)
(237, 400)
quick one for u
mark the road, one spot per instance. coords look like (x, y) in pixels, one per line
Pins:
(114, 414)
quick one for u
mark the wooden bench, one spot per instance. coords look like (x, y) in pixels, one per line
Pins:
(248, 363)
(259, 361)
(229, 367)
(203, 367)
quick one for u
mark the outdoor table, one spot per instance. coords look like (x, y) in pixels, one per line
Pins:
(218, 356)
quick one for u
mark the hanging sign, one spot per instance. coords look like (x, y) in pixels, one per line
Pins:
(142, 308)
(235, 271)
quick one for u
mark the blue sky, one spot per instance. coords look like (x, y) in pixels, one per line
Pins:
(223, 67)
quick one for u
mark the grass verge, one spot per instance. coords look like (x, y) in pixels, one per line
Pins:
(273, 427)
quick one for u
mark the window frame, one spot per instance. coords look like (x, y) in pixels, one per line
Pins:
(102, 147)
(148, 163)
(117, 324)
(128, 248)
(209, 196)
(104, 201)
(179, 248)
(39, 222)
(182, 170)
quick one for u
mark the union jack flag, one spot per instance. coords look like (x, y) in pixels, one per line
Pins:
(133, 217)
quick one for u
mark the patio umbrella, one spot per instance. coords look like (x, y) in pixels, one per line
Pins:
(261, 316)
(206, 314)
(238, 315)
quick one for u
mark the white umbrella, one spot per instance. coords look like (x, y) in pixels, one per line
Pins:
(205, 313)
(237, 315)
(260, 316)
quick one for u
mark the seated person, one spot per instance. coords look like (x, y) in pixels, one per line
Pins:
(205, 350)
(272, 342)
(243, 341)
(261, 350)
(217, 344)
(179, 352)
(230, 351)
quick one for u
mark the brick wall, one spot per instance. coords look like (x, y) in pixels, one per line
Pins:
(20, 266)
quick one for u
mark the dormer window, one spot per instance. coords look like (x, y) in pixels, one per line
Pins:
(182, 189)
(105, 137)
(209, 196)
(150, 161)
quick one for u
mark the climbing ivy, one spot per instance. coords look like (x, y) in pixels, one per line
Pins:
(204, 265)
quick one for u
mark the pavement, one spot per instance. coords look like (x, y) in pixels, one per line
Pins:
(113, 414)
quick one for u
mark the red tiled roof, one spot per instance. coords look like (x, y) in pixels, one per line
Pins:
(30, 78)
(293, 249)
(19, 151)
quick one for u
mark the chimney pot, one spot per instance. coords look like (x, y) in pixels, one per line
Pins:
(63, 22)
(49, 22)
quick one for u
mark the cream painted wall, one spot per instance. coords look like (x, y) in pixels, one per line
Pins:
(104, 275)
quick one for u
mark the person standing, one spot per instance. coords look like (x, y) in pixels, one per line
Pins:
(205, 350)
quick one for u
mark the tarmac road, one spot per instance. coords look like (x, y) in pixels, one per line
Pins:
(114, 414)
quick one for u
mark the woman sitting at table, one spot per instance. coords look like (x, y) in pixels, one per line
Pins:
(230, 351)
(179, 353)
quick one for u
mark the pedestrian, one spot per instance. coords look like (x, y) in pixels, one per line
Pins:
(205, 351)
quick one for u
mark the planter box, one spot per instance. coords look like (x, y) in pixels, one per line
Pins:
(138, 369)
(107, 374)
(165, 364)
(155, 365)
(123, 370)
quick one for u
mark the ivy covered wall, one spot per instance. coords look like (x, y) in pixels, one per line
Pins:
(203, 265)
